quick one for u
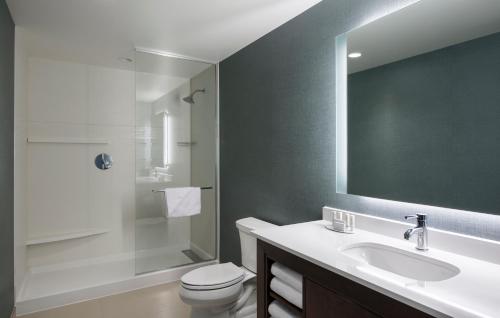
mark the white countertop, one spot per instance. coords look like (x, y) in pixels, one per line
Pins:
(474, 292)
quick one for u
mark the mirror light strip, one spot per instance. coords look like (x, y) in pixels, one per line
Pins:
(341, 111)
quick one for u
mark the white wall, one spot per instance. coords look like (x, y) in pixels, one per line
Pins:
(66, 192)
(20, 157)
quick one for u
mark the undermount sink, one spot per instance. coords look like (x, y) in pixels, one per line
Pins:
(401, 262)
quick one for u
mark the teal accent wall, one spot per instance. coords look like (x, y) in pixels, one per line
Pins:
(6, 162)
(277, 119)
(277, 129)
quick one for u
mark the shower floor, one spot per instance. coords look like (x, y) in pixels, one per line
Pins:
(155, 261)
(60, 279)
(52, 281)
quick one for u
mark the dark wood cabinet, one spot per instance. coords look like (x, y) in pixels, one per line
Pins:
(322, 302)
(325, 294)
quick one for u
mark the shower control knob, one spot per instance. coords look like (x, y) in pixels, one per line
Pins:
(103, 161)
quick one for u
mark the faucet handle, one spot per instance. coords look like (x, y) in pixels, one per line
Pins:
(421, 217)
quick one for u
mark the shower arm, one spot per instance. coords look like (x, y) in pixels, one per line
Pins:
(197, 91)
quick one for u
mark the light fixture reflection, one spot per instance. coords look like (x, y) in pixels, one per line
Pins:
(354, 55)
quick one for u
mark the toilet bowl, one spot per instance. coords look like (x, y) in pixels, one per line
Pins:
(226, 290)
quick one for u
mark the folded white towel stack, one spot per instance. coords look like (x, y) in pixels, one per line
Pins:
(278, 310)
(182, 201)
(286, 291)
(287, 276)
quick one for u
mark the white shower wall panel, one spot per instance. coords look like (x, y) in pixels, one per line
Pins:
(57, 92)
(66, 192)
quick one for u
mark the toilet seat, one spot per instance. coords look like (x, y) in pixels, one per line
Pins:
(213, 277)
(225, 290)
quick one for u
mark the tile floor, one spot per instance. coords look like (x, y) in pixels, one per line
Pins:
(155, 302)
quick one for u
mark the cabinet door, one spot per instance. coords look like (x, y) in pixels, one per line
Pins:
(324, 303)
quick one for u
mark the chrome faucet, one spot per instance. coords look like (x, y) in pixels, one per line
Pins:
(420, 229)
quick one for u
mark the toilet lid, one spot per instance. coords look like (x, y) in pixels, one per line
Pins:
(213, 276)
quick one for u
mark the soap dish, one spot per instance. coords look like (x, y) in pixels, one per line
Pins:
(330, 227)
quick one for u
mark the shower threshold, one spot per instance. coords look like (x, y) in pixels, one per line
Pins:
(55, 287)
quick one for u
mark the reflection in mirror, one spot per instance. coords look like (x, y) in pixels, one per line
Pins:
(422, 106)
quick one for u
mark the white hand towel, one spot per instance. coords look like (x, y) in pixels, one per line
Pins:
(182, 201)
(277, 310)
(286, 291)
(288, 276)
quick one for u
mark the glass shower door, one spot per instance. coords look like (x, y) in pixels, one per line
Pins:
(175, 148)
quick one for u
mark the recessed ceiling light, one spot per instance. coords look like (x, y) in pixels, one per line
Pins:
(354, 55)
(125, 59)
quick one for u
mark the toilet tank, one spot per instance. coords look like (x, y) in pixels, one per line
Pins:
(248, 241)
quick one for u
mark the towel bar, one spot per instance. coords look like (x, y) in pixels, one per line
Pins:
(202, 188)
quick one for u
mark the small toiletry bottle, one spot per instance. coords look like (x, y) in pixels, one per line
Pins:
(338, 223)
(337, 216)
(350, 224)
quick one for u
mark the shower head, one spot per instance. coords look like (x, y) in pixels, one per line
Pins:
(189, 99)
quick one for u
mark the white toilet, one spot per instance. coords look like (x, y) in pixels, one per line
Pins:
(226, 290)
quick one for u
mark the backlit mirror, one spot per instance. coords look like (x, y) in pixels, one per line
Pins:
(418, 106)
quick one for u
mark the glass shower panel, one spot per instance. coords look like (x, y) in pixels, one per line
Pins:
(175, 148)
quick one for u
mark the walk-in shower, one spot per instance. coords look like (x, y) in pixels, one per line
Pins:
(172, 150)
(97, 139)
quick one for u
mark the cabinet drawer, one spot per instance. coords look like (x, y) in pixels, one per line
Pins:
(322, 302)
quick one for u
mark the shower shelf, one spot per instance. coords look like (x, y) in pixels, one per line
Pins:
(151, 221)
(186, 143)
(67, 140)
(65, 236)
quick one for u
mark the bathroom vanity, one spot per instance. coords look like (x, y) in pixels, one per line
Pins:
(325, 293)
(375, 273)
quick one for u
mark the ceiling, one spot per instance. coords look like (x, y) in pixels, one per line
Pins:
(425, 26)
(99, 31)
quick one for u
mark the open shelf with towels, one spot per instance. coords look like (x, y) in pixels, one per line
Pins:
(45, 140)
(294, 309)
(65, 236)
